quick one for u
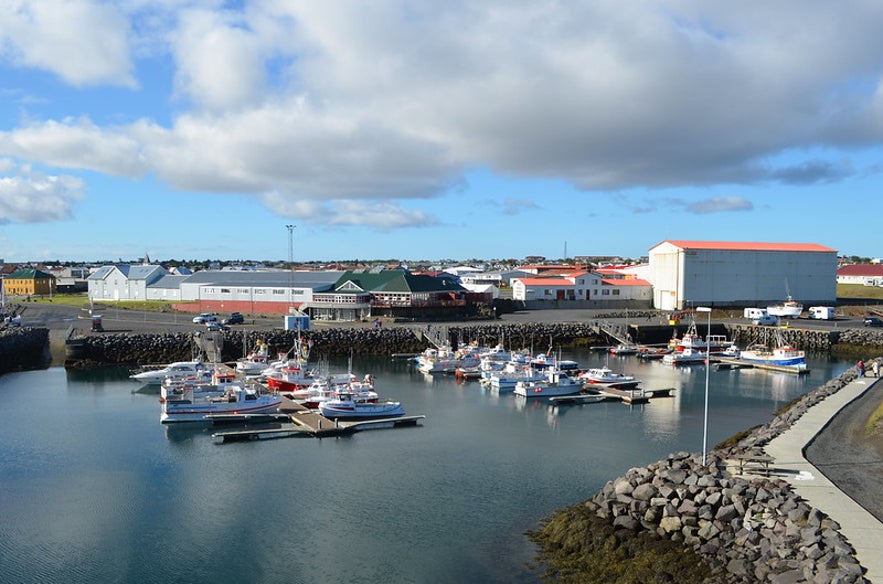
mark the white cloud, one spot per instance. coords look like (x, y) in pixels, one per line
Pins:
(348, 101)
(81, 41)
(32, 197)
(381, 215)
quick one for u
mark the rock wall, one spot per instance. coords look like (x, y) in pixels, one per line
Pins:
(747, 531)
(141, 349)
(23, 349)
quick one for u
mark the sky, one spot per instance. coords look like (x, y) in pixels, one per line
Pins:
(392, 129)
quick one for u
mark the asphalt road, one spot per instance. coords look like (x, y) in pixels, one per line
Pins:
(849, 457)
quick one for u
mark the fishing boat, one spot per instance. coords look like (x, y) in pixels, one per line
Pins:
(605, 376)
(790, 308)
(685, 357)
(555, 382)
(346, 404)
(782, 355)
(177, 370)
(624, 349)
(238, 399)
(693, 340)
(256, 361)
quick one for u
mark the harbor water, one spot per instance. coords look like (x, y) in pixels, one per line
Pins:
(96, 490)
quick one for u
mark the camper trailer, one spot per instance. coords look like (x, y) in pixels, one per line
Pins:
(754, 313)
(821, 312)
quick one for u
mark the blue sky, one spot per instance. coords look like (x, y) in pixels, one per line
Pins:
(194, 129)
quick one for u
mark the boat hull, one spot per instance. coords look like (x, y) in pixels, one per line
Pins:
(184, 411)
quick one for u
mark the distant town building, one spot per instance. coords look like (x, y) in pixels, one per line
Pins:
(28, 282)
(864, 274)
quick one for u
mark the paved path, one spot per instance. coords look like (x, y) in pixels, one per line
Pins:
(860, 527)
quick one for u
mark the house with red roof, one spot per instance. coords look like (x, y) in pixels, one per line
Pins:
(688, 273)
(864, 274)
(592, 289)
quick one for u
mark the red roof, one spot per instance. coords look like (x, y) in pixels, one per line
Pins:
(861, 270)
(746, 245)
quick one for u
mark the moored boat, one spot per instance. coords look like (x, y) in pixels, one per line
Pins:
(605, 376)
(176, 370)
(346, 404)
(556, 382)
(685, 357)
(782, 355)
(237, 399)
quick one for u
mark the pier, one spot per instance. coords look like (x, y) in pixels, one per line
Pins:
(298, 420)
(599, 394)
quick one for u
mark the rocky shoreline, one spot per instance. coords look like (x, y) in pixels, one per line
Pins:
(744, 530)
(23, 349)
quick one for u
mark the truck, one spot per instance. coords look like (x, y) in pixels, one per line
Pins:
(754, 313)
(821, 312)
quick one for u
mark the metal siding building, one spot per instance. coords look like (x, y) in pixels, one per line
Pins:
(714, 273)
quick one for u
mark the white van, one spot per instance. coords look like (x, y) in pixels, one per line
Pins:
(767, 320)
(754, 313)
(821, 312)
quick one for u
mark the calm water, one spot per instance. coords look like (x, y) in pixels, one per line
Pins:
(96, 490)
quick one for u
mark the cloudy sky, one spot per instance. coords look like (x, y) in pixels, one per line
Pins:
(424, 130)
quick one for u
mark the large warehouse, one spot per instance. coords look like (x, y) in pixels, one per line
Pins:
(686, 274)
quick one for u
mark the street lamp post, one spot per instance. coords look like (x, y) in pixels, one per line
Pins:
(707, 369)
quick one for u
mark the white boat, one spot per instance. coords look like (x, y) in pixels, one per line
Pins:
(446, 360)
(556, 382)
(685, 357)
(693, 340)
(290, 376)
(324, 388)
(255, 362)
(212, 383)
(788, 309)
(348, 405)
(513, 372)
(176, 370)
(781, 355)
(237, 399)
(607, 377)
(624, 349)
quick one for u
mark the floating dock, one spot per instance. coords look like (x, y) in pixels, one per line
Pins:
(598, 394)
(298, 420)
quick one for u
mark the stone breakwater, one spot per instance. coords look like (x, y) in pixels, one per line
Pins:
(22, 349)
(139, 349)
(746, 530)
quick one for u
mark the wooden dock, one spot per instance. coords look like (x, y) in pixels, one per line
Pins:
(598, 394)
(298, 420)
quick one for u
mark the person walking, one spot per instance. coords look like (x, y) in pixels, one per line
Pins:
(861, 368)
(875, 368)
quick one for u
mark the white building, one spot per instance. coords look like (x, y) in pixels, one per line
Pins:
(123, 282)
(686, 274)
(608, 286)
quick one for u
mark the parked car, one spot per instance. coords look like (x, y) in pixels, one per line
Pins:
(214, 325)
(873, 321)
(204, 318)
(766, 320)
(234, 318)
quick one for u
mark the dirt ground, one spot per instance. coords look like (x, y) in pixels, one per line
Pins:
(849, 457)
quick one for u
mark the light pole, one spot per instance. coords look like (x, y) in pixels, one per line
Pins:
(707, 369)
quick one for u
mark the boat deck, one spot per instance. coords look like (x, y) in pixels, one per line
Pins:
(727, 363)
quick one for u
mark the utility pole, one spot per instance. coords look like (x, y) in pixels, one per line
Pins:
(290, 229)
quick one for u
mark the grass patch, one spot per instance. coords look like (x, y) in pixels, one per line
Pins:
(874, 425)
